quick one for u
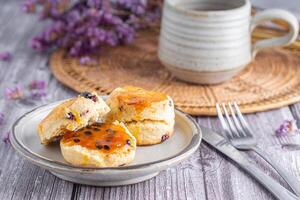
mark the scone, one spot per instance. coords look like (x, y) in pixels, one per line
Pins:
(148, 115)
(149, 132)
(136, 104)
(72, 115)
(99, 145)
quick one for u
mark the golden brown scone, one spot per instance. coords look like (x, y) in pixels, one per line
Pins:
(99, 145)
(71, 115)
(133, 103)
(149, 132)
(148, 115)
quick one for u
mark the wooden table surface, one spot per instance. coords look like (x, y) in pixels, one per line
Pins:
(205, 175)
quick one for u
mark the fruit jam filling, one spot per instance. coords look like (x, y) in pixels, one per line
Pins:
(99, 136)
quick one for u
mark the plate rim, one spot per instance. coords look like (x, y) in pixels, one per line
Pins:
(55, 165)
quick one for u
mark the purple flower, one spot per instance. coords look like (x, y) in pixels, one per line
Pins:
(38, 44)
(2, 117)
(37, 89)
(94, 3)
(5, 138)
(38, 94)
(37, 85)
(28, 6)
(84, 27)
(86, 60)
(5, 56)
(138, 9)
(286, 128)
(111, 38)
(126, 33)
(14, 93)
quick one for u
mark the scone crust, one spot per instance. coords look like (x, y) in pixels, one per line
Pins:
(149, 116)
(150, 132)
(84, 157)
(86, 111)
(126, 112)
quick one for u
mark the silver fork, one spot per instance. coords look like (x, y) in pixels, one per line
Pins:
(239, 133)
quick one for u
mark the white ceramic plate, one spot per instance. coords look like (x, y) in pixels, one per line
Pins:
(149, 160)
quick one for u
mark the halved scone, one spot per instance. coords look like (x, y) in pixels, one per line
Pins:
(71, 115)
(99, 145)
(148, 115)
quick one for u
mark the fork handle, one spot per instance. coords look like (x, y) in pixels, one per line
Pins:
(291, 180)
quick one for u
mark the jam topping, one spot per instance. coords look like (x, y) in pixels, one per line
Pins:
(104, 136)
(139, 97)
(76, 140)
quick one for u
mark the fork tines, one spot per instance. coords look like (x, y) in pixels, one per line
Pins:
(234, 124)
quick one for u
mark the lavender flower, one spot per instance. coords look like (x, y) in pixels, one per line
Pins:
(2, 117)
(37, 44)
(6, 138)
(14, 93)
(87, 60)
(28, 6)
(5, 56)
(286, 128)
(83, 28)
(37, 89)
(37, 85)
(38, 94)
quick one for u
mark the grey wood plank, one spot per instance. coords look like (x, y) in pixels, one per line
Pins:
(205, 175)
(225, 181)
(19, 179)
(268, 122)
(184, 181)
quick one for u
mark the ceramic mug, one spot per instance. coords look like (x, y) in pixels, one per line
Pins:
(209, 41)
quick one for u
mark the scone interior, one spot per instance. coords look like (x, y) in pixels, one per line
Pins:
(148, 115)
(99, 145)
(72, 114)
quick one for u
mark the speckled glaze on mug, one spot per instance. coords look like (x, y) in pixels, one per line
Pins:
(209, 41)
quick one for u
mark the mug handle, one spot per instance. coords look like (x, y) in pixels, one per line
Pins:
(271, 14)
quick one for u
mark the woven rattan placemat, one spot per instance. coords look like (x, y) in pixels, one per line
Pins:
(272, 80)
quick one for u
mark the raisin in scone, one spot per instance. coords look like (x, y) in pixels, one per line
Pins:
(99, 145)
(148, 115)
(72, 115)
